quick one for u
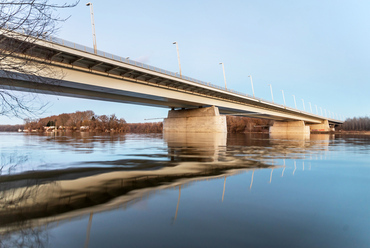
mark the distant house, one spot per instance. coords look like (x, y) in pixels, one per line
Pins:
(84, 128)
(49, 129)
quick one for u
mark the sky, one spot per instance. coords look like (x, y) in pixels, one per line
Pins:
(316, 50)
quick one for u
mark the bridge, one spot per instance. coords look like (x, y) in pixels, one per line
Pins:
(70, 69)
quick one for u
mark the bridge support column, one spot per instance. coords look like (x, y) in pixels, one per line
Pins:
(323, 127)
(200, 120)
(289, 127)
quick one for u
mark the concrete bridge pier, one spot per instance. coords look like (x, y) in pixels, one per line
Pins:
(289, 127)
(200, 120)
(323, 127)
(299, 127)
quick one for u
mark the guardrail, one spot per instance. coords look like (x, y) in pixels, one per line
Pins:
(90, 50)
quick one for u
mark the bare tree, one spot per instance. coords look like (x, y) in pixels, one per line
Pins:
(22, 23)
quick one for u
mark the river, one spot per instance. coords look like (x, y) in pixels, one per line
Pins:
(184, 190)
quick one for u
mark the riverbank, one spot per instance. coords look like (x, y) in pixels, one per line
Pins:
(352, 132)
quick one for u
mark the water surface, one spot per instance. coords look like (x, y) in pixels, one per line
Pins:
(193, 190)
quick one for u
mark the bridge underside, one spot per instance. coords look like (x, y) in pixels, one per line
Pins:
(199, 116)
(82, 84)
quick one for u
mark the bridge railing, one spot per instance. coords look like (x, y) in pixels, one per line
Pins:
(90, 50)
(138, 64)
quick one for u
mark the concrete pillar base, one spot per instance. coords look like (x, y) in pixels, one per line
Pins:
(201, 120)
(289, 127)
(323, 127)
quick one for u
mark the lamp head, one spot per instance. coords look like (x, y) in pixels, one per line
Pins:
(88, 4)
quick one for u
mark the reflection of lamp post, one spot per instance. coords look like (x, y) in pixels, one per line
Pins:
(178, 203)
(223, 193)
(271, 175)
(178, 55)
(252, 84)
(88, 230)
(272, 96)
(93, 26)
(223, 69)
(250, 186)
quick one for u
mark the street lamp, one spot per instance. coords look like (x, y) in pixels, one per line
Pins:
(310, 106)
(283, 97)
(93, 26)
(178, 56)
(295, 102)
(223, 69)
(321, 111)
(317, 112)
(252, 85)
(304, 109)
(272, 96)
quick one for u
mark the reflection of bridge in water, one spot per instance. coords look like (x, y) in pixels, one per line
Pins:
(44, 198)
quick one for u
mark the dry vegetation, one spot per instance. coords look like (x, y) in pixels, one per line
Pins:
(238, 124)
(356, 124)
(89, 121)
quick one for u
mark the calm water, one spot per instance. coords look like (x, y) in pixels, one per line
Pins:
(85, 190)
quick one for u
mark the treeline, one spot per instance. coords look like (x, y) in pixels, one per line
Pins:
(10, 128)
(89, 121)
(152, 127)
(239, 124)
(356, 124)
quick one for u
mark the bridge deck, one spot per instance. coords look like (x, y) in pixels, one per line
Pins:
(74, 57)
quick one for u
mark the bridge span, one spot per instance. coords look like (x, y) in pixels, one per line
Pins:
(74, 70)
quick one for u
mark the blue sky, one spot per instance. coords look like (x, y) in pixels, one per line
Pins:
(316, 50)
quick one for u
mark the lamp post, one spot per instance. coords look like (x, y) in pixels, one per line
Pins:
(252, 85)
(295, 102)
(178, 56)
(304, 109)
(272, 96)
(310, 106)
(223, 69)
(93, 26)
(283, 97)
(317, 112)
(321, 111)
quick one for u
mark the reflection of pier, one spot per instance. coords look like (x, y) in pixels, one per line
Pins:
(48, 197)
